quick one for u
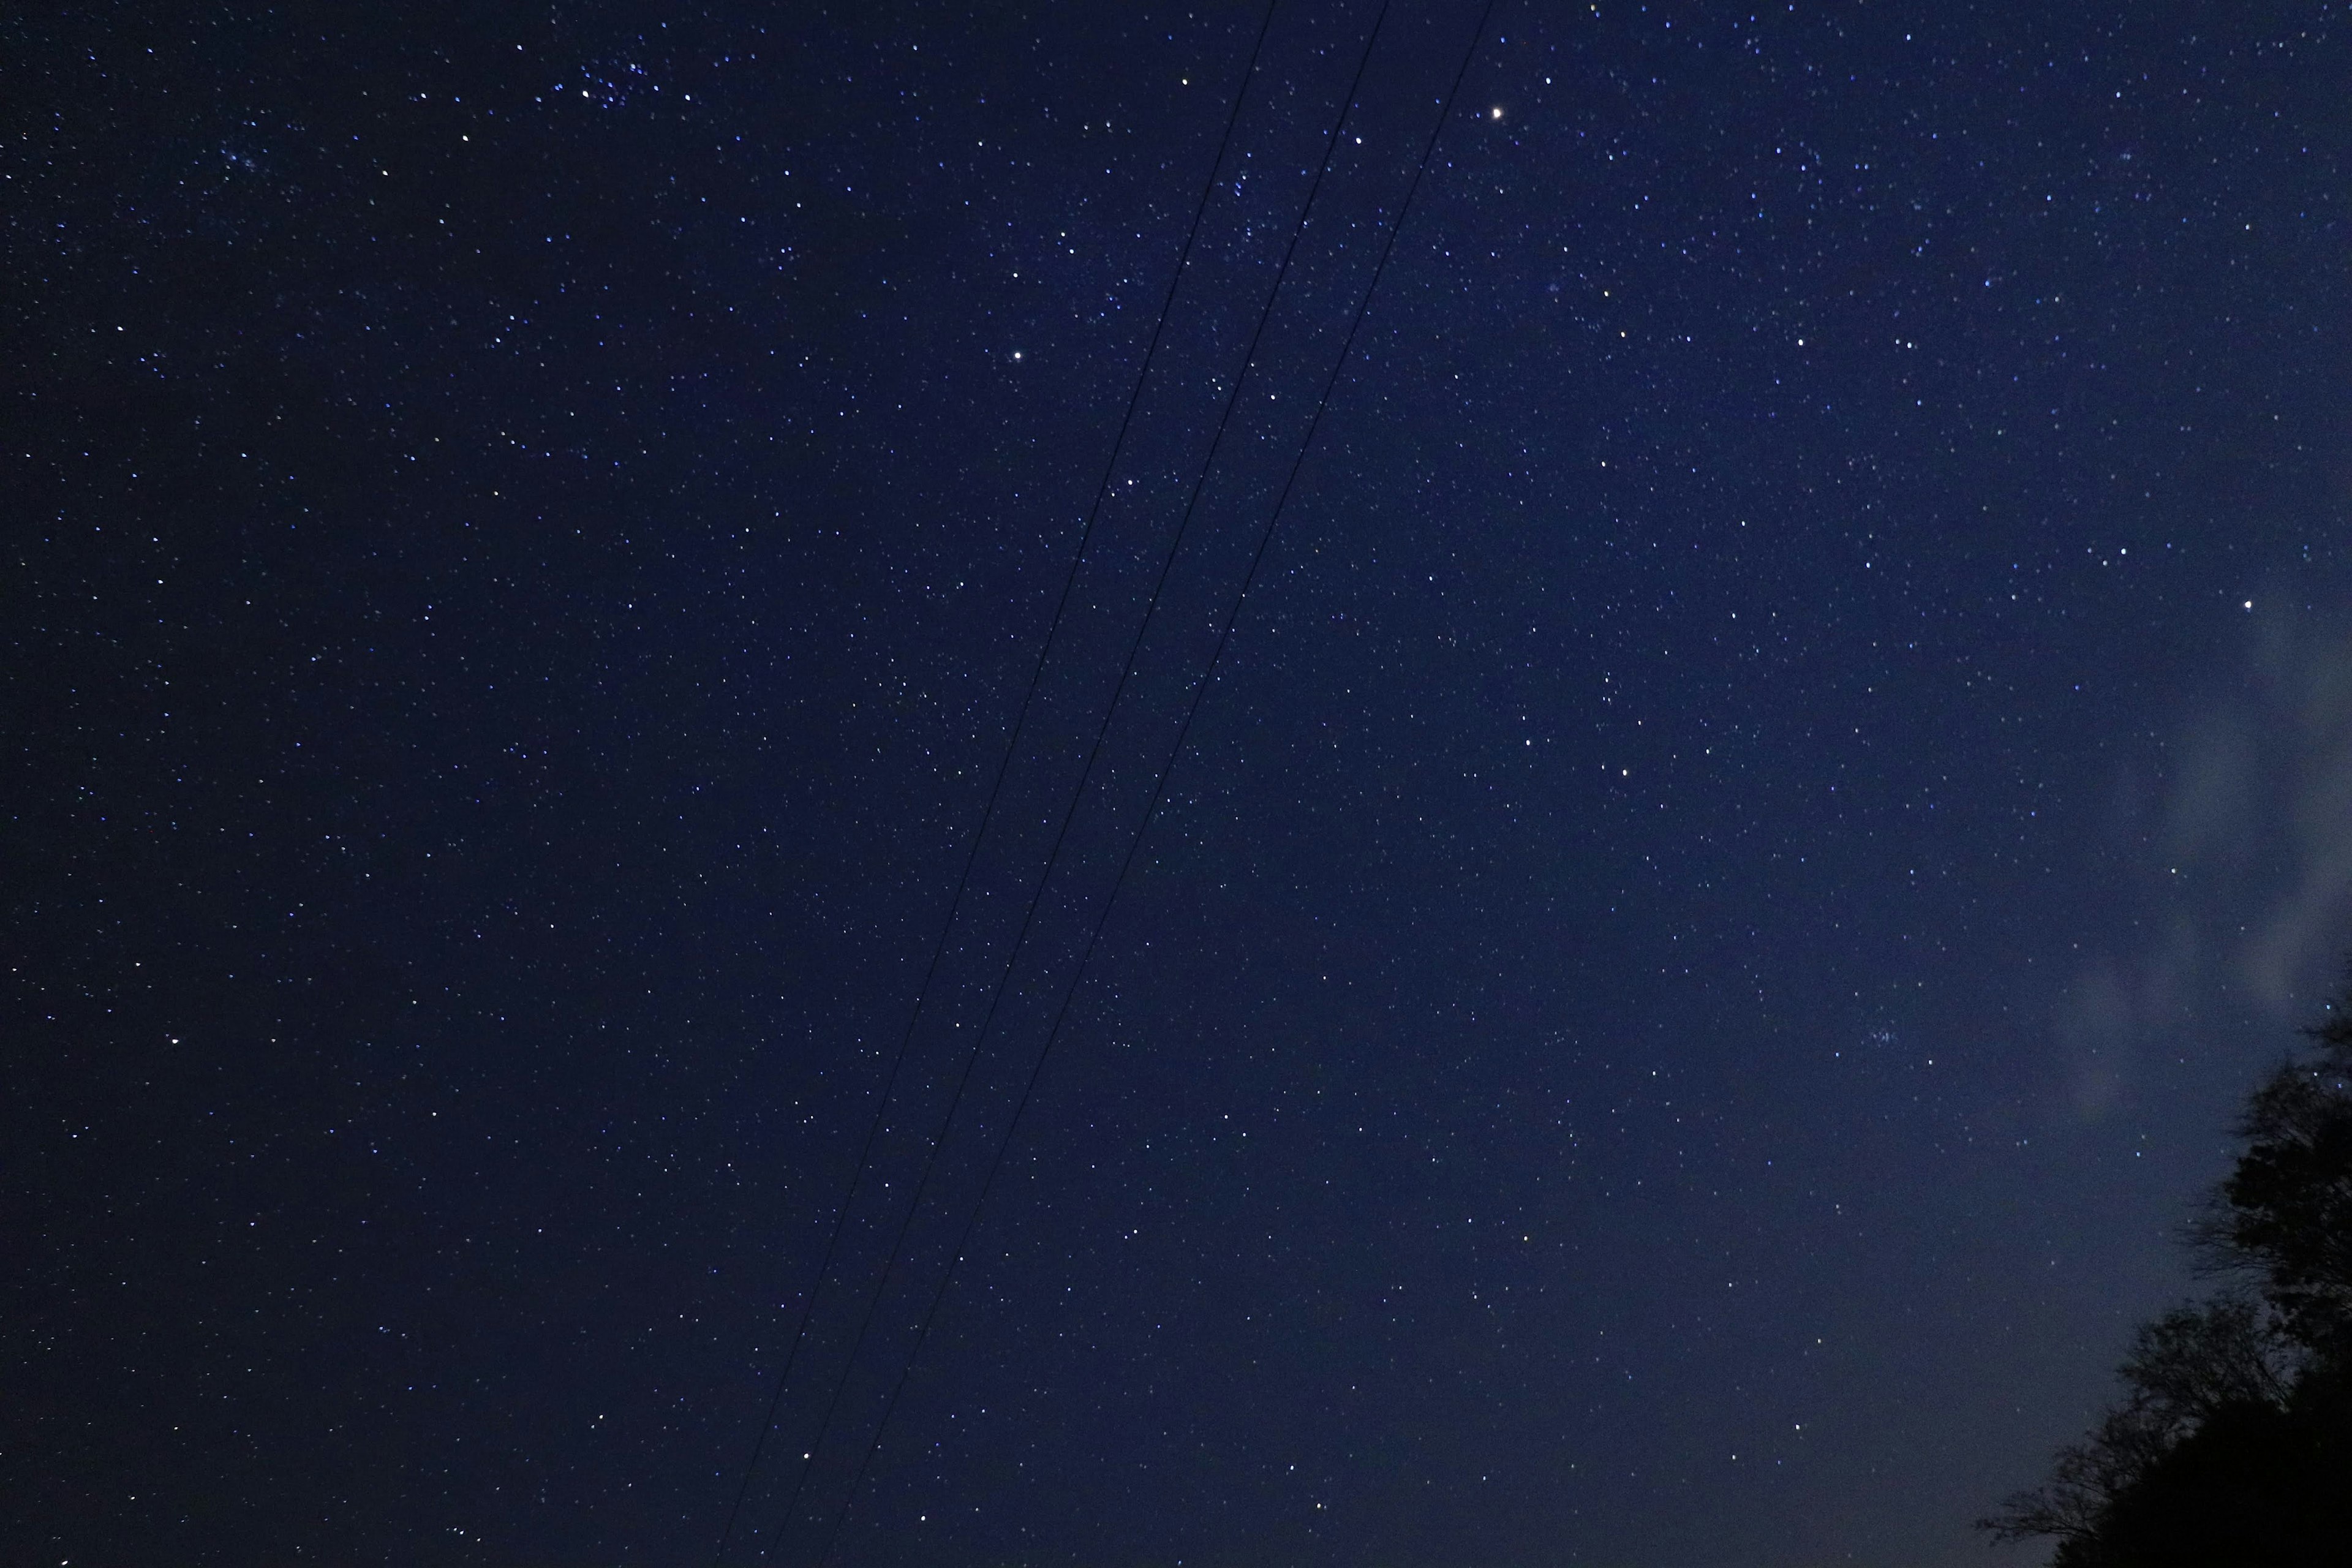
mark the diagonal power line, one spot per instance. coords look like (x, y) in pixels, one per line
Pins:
(1037, 898)
(996, 790)
(1159, 785)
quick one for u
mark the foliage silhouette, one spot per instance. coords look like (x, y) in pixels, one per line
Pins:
(2232, 1442)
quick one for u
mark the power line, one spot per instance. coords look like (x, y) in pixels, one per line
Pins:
(1086, 774)
(1012, 747)
(1159, 785)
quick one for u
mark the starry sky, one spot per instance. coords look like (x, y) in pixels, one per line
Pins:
(1787, 761)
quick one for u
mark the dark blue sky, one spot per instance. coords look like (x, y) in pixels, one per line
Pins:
(1789, 761)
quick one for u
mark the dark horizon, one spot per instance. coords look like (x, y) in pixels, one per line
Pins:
(1787, 766)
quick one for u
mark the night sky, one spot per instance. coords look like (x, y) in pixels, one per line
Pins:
(1787, 763)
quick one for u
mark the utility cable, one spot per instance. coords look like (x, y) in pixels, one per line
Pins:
(1159, 785)
(1094, 754)
(996, 790)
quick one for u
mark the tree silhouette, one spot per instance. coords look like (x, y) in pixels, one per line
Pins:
(2232, 1442)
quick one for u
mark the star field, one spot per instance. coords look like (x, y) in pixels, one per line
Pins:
(1784, 771)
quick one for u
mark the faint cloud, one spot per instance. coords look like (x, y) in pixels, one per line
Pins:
(2297, 941)
(2213, 799)
(2246, 873)
(2096, 1019)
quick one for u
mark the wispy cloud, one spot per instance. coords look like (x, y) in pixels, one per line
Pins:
(2244, 878)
